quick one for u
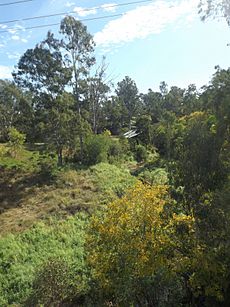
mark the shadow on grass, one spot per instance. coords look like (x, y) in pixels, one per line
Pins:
(16, 185)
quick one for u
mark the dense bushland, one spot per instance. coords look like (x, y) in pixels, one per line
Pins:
(111, 199)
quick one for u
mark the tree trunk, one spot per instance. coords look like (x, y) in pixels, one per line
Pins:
(60, 160)
(81, 146)
(94, 120)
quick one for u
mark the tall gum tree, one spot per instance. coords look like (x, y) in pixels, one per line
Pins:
(43, 72)
(127, 93)
(51, 68)
(78, 47)
(97, 88)
(215, 9)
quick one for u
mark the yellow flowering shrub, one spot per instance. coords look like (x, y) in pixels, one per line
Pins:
(135, 238)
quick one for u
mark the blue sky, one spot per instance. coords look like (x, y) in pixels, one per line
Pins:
(151, 42)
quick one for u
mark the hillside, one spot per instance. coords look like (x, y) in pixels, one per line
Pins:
(27, 195)
(110, 196)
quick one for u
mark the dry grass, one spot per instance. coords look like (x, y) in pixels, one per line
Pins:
(22, 202)
(27, 195)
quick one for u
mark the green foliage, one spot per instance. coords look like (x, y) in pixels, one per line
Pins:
(144, 127)
(48, 169)
(111, 179)
(197, 152)
(158, 176)
(115, 152)
(96, 149)
(52, 284)
(102, 148)
(127, 93)
(115, 149)
(25, 268)
(16, 141)
(134, 249)
(60, 130)
(106, 132)
(15, 110)
(141, 153)
(27, 161)
(150, 247)
(58, 281)
(127, 154)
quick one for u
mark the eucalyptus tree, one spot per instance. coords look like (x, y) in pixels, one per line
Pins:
(77, 46)
(215, 9)
(174, 99)
(113, 113)
(7, 108)
(15, 110)
(54, 66)
(153, 105)
(97, 88)
(191, 101)
(42, 71)
(127, 93)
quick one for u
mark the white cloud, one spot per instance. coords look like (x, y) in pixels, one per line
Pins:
(145, 20)
(83, 12)
(19, 39)
(3, 26)
(69, 4)
(13, 55)
(109, 7)
(12, 31)
(5, 72)
(15, 37)
(15, 29)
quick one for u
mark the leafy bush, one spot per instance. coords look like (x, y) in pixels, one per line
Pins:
(16, 141)
(96, 149)
(141, 153)
(124, 144)
(25, 258)
(131, 249)
(111, 179)
(157, 176)
(115, 153)
(57, 282)
(106, 132)
(28, 160)
(3, 150)
(102, 148)
(47, 166)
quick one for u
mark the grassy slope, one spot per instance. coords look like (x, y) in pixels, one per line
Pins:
(26, 199)
(25, 202)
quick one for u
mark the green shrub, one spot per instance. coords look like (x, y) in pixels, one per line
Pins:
(124, 144)
(141, 153)
(23, 257)
(115, 149)
(16, 141)
(102, 148)
(28, 160)
(106, 132)
(3, 150)
(56, 283)
(115, 153)
(111, 179)
(158, 176)
(48, 169)
(96, 149)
